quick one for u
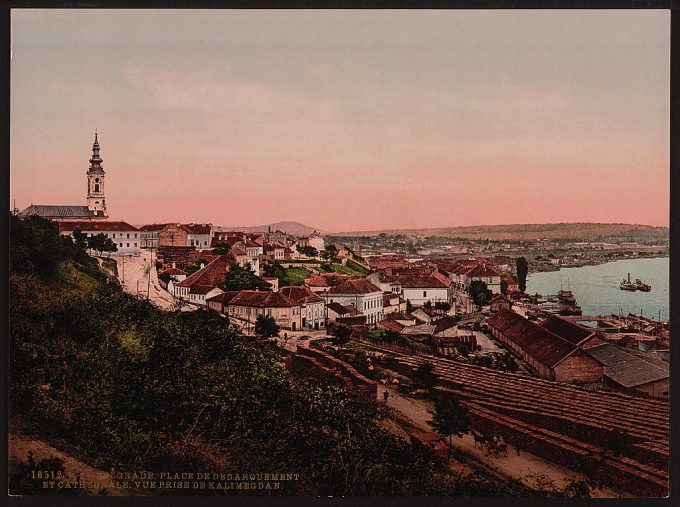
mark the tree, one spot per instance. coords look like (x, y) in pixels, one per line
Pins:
(409, 306)
(480, 293)
(221, 250)
(504, 286)
(331, 253)
(522, 271)
(274, 269)
(266, 326)
(450, 418)
(424, 374)
(80, 239)
(101, 243)
(243, 278)
(309, 251)
(342, 335)
(428, 304)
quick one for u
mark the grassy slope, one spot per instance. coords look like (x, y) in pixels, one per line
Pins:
(296, 275)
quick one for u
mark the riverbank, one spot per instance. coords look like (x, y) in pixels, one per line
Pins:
(596, 287)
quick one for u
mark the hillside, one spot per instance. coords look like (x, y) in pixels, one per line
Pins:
(294, 228)
(113, 380)
(574, 231)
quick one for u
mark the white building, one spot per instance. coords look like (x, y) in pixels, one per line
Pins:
(317, 240)
(313, 306)
(426, 288)
(199, 235)
(362, 294)
(126, 237)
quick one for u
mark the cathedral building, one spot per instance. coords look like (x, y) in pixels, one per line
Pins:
(96, 199)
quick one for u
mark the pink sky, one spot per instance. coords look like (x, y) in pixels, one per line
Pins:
(346, 120)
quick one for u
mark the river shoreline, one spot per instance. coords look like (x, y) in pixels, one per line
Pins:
(597, 287)
(589, 262)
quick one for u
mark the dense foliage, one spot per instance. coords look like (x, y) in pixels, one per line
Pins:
(243, 278)
(480, 293)
(266, 326)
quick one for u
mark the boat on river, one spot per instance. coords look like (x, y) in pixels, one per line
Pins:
(638, 284)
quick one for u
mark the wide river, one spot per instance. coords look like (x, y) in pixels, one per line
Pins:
(596, 288)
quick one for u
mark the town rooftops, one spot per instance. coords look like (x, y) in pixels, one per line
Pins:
(423, 280)
(57, 211)
(354, 286)
(545, 346)
(570, 331)
(300, 294)
(500, 297)
(262, 299)
(198, 228)
(172, 271)
(91, 226)
(325, 279)
(392, 325)
(481, 269)
(152, 227)
(627, 368)
(349, 310)
(202, 289)
(212, 273)
(224, 297)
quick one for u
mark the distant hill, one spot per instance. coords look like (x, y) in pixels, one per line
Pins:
(294, 228)
(576, 231)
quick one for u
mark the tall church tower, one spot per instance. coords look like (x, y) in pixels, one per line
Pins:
(96, 201)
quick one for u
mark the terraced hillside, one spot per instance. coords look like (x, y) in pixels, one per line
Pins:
(617, 438)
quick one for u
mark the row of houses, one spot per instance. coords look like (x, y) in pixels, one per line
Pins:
(126, 237)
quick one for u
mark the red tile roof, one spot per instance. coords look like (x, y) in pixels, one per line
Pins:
(202, 289)
(481, 269)
(212, 273)
(92, 226)
(354, 286)
(422, 281)
(343, 310)
(262, 299)
(198, 228)
(152, 227)
(500, 297)
(570, 331)
(546, 347)
(300, 294)
(325, 279)
(224, 297)
(172, 271)
(392, 325)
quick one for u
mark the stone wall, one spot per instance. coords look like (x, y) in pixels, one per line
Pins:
(318, 364)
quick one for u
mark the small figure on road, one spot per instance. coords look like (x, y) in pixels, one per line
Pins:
(386, 395)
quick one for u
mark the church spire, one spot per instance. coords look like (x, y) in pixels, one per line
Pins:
(96, 160)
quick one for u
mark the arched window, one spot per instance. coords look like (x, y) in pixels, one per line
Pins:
(96, 187)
